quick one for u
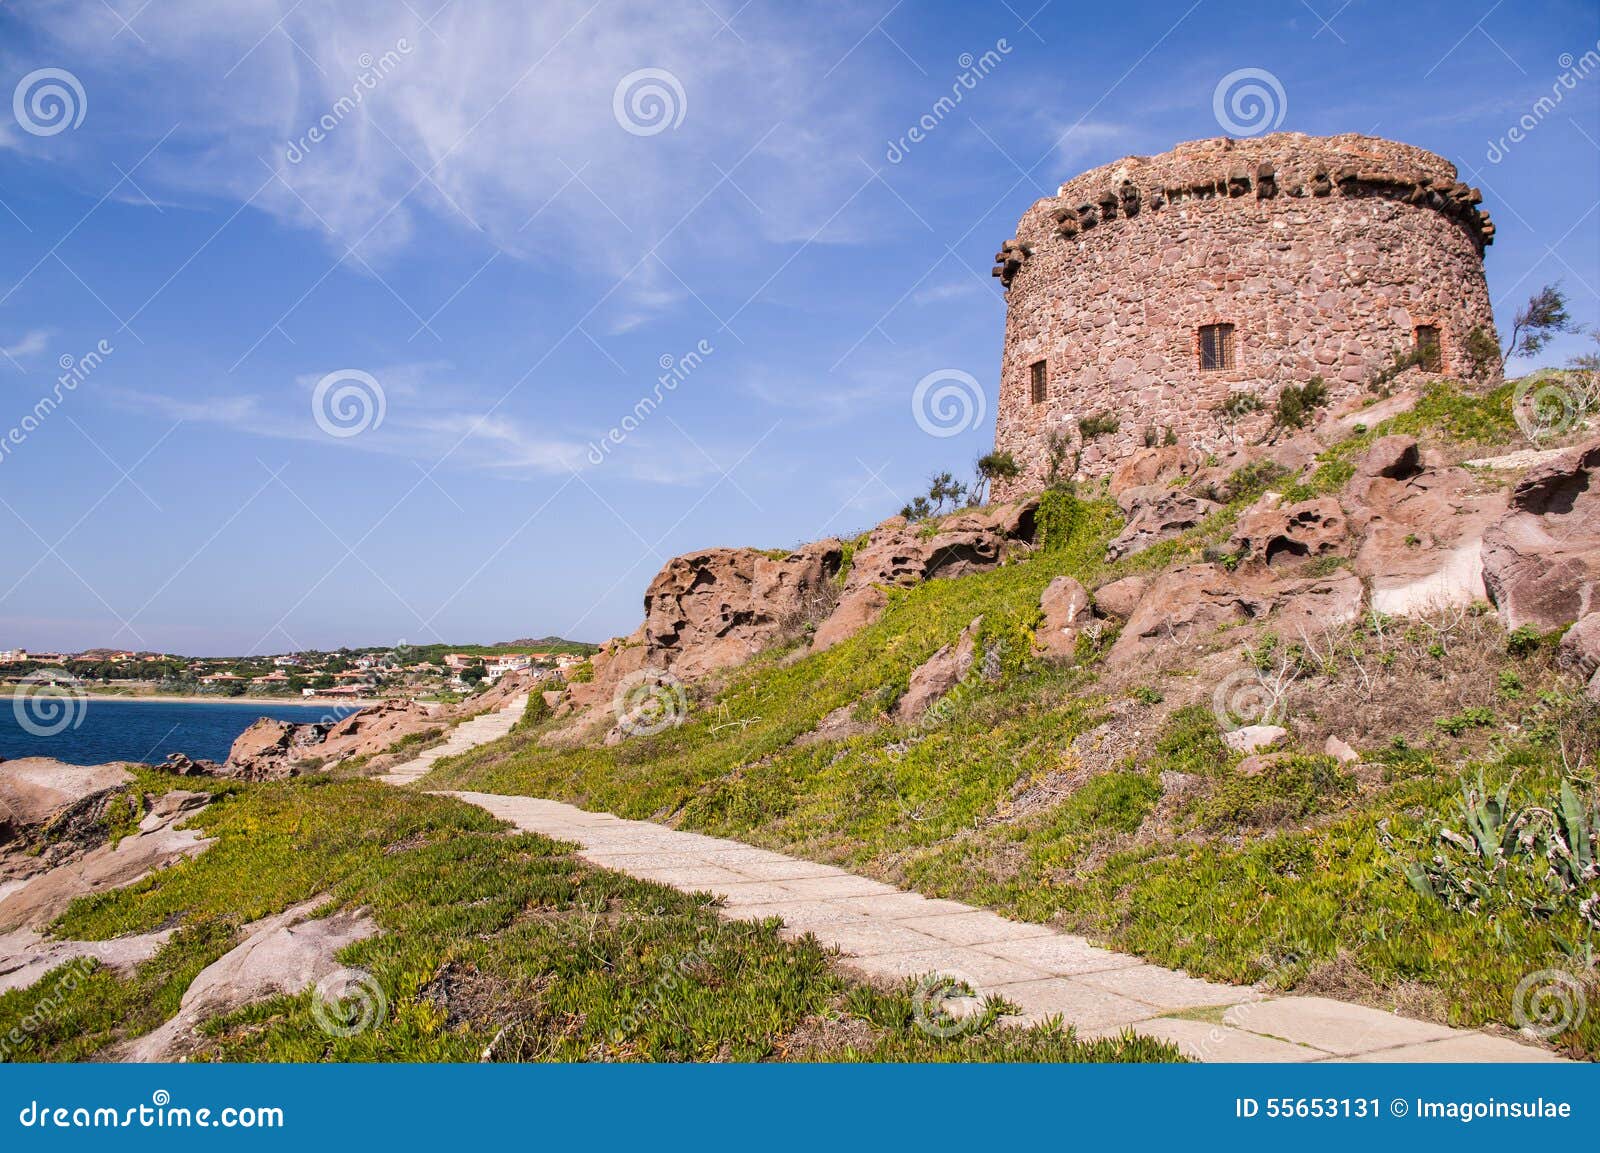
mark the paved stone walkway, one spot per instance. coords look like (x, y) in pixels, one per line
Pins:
(889, 933)
(480, 730)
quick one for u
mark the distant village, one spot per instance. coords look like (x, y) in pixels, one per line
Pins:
(419, 672)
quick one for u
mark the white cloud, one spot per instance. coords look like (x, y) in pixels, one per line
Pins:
(499, 118)
(28, 344)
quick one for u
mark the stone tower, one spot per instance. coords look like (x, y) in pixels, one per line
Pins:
(1149, 291)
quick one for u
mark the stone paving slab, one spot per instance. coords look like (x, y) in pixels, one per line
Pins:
(1464, 1047)
(1204, 1041)
(1334, 1026)
(1074, 1002)
(890, 934)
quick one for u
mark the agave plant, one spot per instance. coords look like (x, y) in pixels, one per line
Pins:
(1540, 859)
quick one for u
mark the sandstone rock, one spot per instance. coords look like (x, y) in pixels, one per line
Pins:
(1340, 751)
(1156, 514)
(26, 955)
(1250, 738)
(855, 611)
(900, 555)
(285, 954)
(1421, 536)
(270, 749)
(1119, 598)
(714, 609)
(1580, 647)
(1541, 561)
(1284, 535)
(1306, 608)
(838, 725)
(1065, 606)
(938, 674)
(169, 806)
(34, 789)
(1153, 466)
(43, 897)
(1391, 457)
(1185, 606)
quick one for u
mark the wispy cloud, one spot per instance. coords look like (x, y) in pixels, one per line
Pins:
(30, 343)
(496, 123)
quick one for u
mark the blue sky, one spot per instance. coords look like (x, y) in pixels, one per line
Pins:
(512, 215)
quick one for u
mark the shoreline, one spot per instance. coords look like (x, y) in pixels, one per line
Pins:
(284, 702)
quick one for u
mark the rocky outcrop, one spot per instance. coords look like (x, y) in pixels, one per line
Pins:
(1184, 606)
(43, 897)
(1421, 528)
(270, 750)
(285, 954)
(1154, 466)
(897, 554)
(717, 608)
(937, 675)
(1281, 535)
(1156, 513)
(37, 790)
(1064, 606)
(854, 612)
(1541, 561)
(1119, 598)
(1580, 651)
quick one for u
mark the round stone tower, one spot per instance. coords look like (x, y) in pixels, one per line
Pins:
(1147, 293)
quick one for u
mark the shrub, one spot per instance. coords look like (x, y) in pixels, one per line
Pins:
(1297, 402)
(1541, 859)
(1101, 424)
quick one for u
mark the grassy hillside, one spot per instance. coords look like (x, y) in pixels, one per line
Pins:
(1108, 804)
(490, 941)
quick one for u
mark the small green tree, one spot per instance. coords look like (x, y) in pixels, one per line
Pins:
(1538, 322)
(990, 468)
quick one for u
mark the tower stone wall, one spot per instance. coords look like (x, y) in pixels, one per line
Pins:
(1326, 255)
